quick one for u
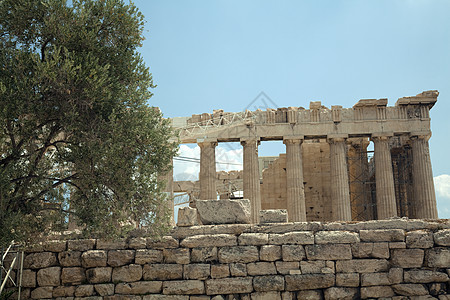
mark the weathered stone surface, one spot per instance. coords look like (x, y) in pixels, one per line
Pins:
(370, 250)
(49, 276)
(336, 237)
(137, 243)
(409, 289)
(292, 252)
(270, 253)
(395, 275)
(28, 278)
(40, 260)
(347, 279)
(164, 242)
(111, 245)
(148, 256)
(55, 246)
(99, 275)
(229, 286)
(213, 240)
(84, 290)
(382, 235)
(63, 291)
(438, 258)
(81, 245)
(373, 279)
(253, 239)
(105, 289)
(268, 283)
(197, 271)
(165, 297)
(70, 258)
(309, 281)
(362, 266)
(238, 269)
(139, 288)
(204, 254)
(310, 295)
(220, 271)
(187, 216)
(438, 289)
(45, 292)
(424, 276)
(283, 267)
(94, 258)
(419, 239)
(162, 272)
(127, 273)
(273, 216)
(73, 276)
(442, 237)
(293, 238)
(265, 296)
(310, 267)
(224, 211)
(397, 245)
(328, 251)
(117, 258)
(183, 287)
(177, 256)
(261, 268)
(376, 292)
(243, 254)
(407, 258)
(341, 293)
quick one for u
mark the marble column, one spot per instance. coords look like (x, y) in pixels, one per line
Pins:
(424, 194)
(296, 206)
(384, 178)
(340, 191)
(207, 174)
(169, 190)
(251, 181)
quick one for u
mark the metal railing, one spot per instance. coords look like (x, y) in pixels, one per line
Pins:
(13, 257)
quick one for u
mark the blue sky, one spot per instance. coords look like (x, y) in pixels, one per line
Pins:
(207, 55)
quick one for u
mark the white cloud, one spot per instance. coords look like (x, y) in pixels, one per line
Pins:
(442, 186)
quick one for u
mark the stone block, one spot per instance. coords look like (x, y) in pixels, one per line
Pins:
(407, 258)
(224, 211)
(310, 295)
(292, 238)
(209, 240)
(419, 239)
(72, 276)
(425, 276)
(376, 292)
(336, 237)
(94, 258)
(374, 279)
(362, 266)
(127, 273)
(268, 283)
(238, 269)
(84, 290)
(55, 246)
(438, 258)
(397, 245)
(283, 267)
(183, 287)
(395, 275)
(40, 260)
(204, 254)
(236, 285)
(117, 258)
(63, 291)
(148, 256)
(28, 278)
(197, 271)
(253, 239)
(410, 289)
(265, 296)
(328, 252)
(270, 253)
(220, 271)
(438, 289)
(164, 297)
(99, 275)
(273, 216)
(49, 276)
(382, 235)
(162, 272)
(312, 267)
(261, 268)
(242, 254)
(111, 245)
(292, 252)
(347, 279)
(164, 242)
(105, 289)
(370, 250)
(81, 245)
(288, 295)
(309, 281)
(45, 292)
(139, 288)
(70, 258)
(137, 243)
(177, 256)
(187, 216)
(442, 237)
(341, 293)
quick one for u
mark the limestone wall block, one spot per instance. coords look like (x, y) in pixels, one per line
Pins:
(419, 239)
(72, 276)
(295, 238)
(397, 245)
(63, 291)
(281, 228)
(238, 269)
(177, 256)
(242, 254)
(99, 275)
(424, 276)
(236, 285)
(45, 292)
(28, 278)
(80, 245)
(55, 246)
(309, 281)
(220, 271)
(261, 268)
(347, 279)
(362, 266)
(373, 279)
(164, 242)
(410, 289)
(386, 224)
(292, 252)
(310, 295)
(162, 297)
(438, 258)
(284, 267)
(315, 266)
(187, 216)
(371, 250)
(104, 289)
(438, 289)
(266, 296)
(162, 272)
(70, 258)
(127, 273)
(336, 237)
(111, 245)
(204, 254)
(395, 275)
(148, 256)
(270, 253)
(49, 276)
(137, 243)
(273, 216)
(94, 258)
(407, 258)
(183, 287)
(234, 229)
(335, 293)
(196, 271)
(253, 239)
(117, 258)
(442, 237)
(40, 260)
(213, 240)
(328, 251)
(382, 235)
(268, 283)
(224, 211)
(377, 292)
(84, 290)
(139, 287)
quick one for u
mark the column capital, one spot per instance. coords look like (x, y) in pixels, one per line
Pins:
(358, 142)
(293, 139)
(208, 142)
(249, 140)
(333, 138)
(425, 135)
(381, 136)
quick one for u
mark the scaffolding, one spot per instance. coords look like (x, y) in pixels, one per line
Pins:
(11, 269)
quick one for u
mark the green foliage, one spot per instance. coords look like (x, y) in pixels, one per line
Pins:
(77, 133)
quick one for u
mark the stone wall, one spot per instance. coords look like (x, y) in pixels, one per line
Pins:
(374, 259)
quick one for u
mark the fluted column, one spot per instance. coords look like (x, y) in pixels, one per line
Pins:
(340, 192)
(251, 182)
(296, 206)
(424, 194)
(207, 174)
(384, 178)
(169, 191)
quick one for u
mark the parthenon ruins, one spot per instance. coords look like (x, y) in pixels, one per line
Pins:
(326, 173)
